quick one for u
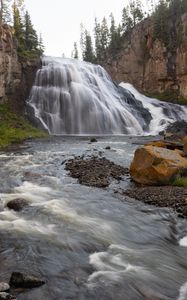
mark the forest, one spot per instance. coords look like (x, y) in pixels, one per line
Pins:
(108, 36)
(14, 14)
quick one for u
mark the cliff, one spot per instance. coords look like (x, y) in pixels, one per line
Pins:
(151, 66)
(16, 74)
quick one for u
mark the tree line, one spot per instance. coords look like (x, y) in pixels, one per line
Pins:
(14, 14)
(108, 37)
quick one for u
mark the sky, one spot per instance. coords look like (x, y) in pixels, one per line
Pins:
(59, 20)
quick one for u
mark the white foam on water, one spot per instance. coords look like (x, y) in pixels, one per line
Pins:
(29, 191)
(61, 208)
(12, 222)
(183, 241)
(156, 108)
(111, 266)
(183, 292)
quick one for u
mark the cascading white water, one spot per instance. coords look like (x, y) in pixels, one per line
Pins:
(74, 97)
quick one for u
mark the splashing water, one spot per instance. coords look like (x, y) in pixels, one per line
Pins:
(74, 97)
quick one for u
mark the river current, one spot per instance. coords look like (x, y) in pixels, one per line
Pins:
(87, 243)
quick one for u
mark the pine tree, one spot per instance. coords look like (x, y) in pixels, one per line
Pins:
(18, 27)
(30, 35)
(75, 53)
(97, 35)
(136, 11)
(127, 21)
(88, 52)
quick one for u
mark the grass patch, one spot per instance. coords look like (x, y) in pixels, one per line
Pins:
(180, 181)
(168, 96)
(14, 128)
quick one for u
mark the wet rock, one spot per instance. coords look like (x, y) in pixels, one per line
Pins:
(176, 130)
(20, 280)
(107, 147)
(93, 140)
(156, 166)
(17, 204)
(32, 175)
(4, 287)
(6, 296)
(98, 172)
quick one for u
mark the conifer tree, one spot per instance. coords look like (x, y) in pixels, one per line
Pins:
(75, 53)
(18, 27)
(88, 52)
(30, 35)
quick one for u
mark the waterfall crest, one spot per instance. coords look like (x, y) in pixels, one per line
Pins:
(74, 97)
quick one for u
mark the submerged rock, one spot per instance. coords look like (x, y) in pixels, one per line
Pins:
(156, 166)
(93, 140)
(17, 204)
(20, 280)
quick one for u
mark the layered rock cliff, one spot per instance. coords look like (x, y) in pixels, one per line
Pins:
(16, 74)
(148, 64)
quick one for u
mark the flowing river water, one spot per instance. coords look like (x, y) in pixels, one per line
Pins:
(87, 243)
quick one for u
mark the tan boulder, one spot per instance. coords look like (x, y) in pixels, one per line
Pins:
(156, 166)
(185, 145)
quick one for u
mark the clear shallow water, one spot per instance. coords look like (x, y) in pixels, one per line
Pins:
(87, 243)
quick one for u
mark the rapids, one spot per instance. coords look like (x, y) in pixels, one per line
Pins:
(87, 243)
(74, 97)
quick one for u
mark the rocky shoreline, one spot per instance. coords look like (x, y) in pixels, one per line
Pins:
(161, 196)
(100, 172)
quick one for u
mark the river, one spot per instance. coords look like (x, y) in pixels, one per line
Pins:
(87, 243)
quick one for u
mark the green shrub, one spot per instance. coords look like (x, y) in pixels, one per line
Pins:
(180, 181)
(14, 128)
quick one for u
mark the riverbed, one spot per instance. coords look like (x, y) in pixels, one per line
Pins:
(86, 242)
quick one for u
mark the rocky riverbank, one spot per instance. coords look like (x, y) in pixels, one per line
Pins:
(161, 196)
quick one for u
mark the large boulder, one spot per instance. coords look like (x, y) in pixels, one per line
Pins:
(156, 166)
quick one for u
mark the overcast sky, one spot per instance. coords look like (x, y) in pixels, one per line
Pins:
(59, 20)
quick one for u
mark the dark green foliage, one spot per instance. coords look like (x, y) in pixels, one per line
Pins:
(30, 35)
(28, 43)
(167, 22)
(87, 46)
(75, 52)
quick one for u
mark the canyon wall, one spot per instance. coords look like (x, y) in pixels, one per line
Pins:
(148, 64)
(16, 74)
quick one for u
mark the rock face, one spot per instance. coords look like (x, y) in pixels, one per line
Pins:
(147, 64)
(156, 166)
(16, 75)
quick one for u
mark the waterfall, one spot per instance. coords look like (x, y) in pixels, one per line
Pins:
(74, 97)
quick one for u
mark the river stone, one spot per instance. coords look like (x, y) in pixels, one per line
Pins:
(156, 166)
(6, 296)
(4, 287)
(17, 204)
(20, 280)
